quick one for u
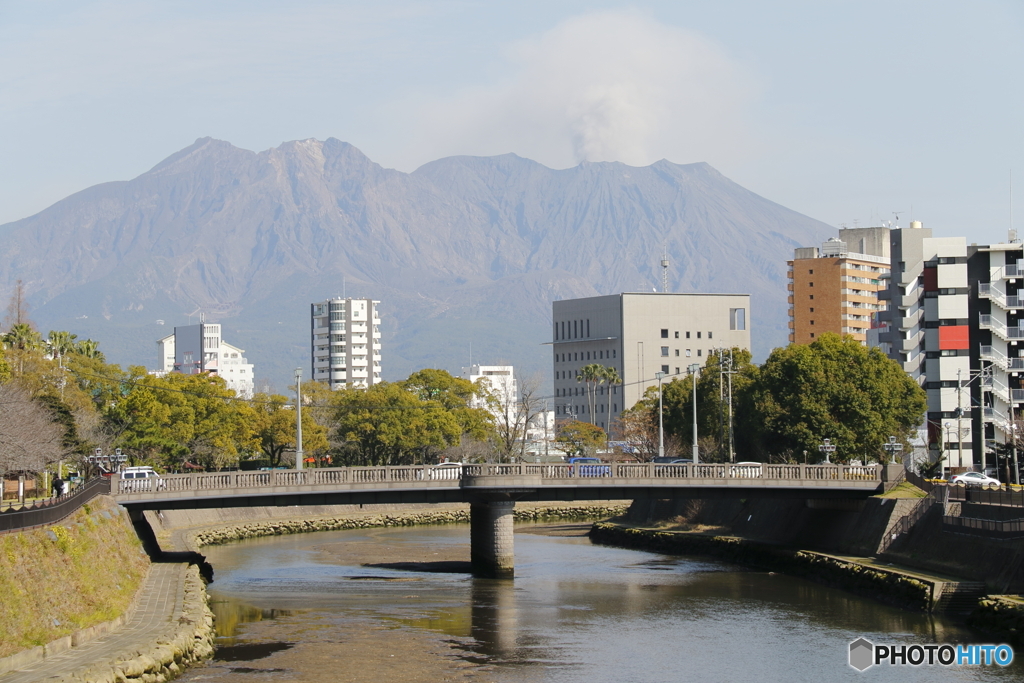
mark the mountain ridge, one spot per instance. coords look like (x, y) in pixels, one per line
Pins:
(459, 250)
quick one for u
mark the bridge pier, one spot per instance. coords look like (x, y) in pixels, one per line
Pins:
(492, 545)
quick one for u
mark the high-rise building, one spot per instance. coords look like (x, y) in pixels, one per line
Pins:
(834, 289)
(195, 349)
(638, 334)
(928, 330)
(499, 380)
(345, 339)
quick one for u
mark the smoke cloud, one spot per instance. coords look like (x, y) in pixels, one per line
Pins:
(608, 86)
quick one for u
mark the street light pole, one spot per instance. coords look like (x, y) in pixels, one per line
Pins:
(828, 448)
(893, 448)
(298, 419)
(694, 370)
(661, 418)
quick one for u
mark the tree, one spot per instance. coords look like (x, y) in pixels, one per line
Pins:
(638, 427)
(61, 343)
(274, 427)
(579, 438)
(388, 425)
(834, 388)
(591, 375)
(17, 307)
(5, 368)
(453, 395)
(512, 414)
(611, 379)
(89, 349)
(29, 437)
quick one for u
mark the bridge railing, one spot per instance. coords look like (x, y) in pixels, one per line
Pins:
(557, 471)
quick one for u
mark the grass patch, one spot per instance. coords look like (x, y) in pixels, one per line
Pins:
(62, 578)
(904, 489)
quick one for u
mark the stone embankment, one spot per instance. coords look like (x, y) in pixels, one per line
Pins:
(276, 527)
(1002, 616)
(886, 585)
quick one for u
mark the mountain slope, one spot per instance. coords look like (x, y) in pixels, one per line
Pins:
(463, 251)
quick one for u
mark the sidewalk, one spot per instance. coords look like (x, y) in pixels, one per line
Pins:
(160, 602)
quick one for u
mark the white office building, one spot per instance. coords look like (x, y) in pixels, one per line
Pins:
(638, 334)
(345, 340)
(195, 349)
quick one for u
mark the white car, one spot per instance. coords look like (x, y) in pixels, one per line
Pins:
(975, 479)
(745, 470)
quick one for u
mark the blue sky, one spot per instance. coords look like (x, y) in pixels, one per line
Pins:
(845, 111)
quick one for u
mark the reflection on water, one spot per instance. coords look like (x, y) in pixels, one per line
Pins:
(575, 612)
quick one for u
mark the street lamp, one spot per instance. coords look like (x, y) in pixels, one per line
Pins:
(694, 370)
(949, 428)
(828, 448)
(298, 418)
(661, 418)
(893, 448)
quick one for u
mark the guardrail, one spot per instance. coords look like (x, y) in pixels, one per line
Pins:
(999, 529)
(53, 510)
(992, 496)
(452, 475)
(909, 520)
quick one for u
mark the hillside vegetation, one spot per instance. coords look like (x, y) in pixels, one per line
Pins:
(66, 577)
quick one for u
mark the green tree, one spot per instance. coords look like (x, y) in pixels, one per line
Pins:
(591, 375)
(579, 438)
(455, 396)
(5, 368)
(274, 428)
(389, 425)
(612, 379)
(834, 388)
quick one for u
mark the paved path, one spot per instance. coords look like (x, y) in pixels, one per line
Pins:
(160, 603)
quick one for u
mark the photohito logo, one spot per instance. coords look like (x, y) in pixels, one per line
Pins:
(865, 654)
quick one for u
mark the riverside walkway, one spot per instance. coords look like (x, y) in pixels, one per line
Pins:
(493, 489)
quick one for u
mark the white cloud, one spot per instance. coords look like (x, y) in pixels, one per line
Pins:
(608, 86)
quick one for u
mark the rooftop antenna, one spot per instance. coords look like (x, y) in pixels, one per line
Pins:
(343, 285)
(896, 223)
(664, 269)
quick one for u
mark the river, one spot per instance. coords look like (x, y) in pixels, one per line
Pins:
(308, 608)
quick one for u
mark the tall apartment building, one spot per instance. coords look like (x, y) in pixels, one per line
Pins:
(638, 334)
(345, 339)
(195, 349)
(834, 289)
(928, 330)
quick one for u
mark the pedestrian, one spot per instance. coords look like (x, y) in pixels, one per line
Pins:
(58, 486)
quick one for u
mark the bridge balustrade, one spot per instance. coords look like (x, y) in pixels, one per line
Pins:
(549, 472)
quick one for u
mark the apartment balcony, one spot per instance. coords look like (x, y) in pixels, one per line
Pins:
(1007, 272)
(996, 356)
(996, 386)
(999, 297)
(987, 322)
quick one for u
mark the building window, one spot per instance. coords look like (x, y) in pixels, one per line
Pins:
(812, 322)
(812, 310)
(677, 371)
(812, 335)
(664, 369)
(810, 284)
(687, 353)
(698, 335)
(664, 351)
(664, 334)
(811, 271)
(709, 334)
(677, 352)
(677, 335)
(812, 297)
(698, 352)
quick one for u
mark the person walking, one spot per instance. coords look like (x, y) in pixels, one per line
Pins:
(58, 486)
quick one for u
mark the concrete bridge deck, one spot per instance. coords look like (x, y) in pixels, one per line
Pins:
(492, 489)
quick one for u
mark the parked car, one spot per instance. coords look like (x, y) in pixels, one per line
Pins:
(975, 479)
(589, 467)
(672, 461)
(746, 470)
(446, 470)
(152, 480)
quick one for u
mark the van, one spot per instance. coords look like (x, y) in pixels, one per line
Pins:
(130, 477)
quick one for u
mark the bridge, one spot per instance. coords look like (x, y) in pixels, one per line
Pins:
(492, 490)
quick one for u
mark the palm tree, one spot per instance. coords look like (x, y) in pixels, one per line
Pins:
(61, 343)
(21, 336)
(611, 378)
(592, 375)
(89, 349)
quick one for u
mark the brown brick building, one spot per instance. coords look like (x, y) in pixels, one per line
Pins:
(832, 289)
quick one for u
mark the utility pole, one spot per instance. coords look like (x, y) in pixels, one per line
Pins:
(732, 371)
(298, 419)
(661, 418)
(959, 419)
(694, 370)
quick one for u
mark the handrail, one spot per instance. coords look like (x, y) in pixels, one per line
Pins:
(53, 510)
(452, 475)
